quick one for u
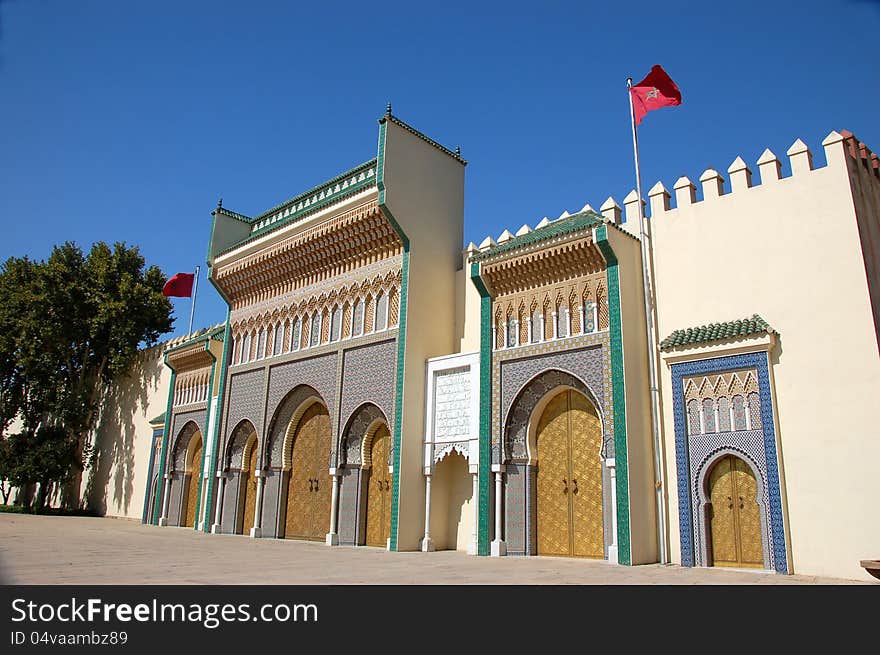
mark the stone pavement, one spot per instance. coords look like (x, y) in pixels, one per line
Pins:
(79, 550)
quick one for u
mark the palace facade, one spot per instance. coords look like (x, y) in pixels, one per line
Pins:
(375, 385)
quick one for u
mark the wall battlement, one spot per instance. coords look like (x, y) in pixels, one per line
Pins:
(714, 186)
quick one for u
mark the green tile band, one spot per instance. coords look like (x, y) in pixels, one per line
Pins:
(618, 392)
(160, 487)
(485, 393)
(206, 521)
(401, 337)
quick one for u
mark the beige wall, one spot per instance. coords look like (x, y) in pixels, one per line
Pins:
(116, 484)
(425, 194)
(789, 250)
(639, 438)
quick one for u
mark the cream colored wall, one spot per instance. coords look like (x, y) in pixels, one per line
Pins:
(425, 193)
(115, 486)
(788, 249)
(468, 304)
(640, 448)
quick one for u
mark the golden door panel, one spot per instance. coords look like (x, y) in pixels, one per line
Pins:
(748, 516)
(554, 521)
(192, 495)
(379, 491)
(588, 531)
(300, 486)
(249, 481)
(722, 521)
(322, 487)
(735, 518)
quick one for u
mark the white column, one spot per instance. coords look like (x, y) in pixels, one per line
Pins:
(494, 337)
(427, 544)
(529, 328)
(163, 520)
(498, 546)
(332, 538)
(215, 529)
(581, 314)
(612, 548)
(555, 334)
(475, 504)
(256, 530)
(748, 410)
(542, 325)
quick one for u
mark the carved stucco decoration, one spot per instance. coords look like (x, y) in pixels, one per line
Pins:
(517, 424)
(364, 418)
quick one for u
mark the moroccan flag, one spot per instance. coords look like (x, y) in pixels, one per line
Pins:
(655, 91)
(181, 285)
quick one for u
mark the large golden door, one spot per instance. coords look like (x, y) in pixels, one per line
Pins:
(192, 494)
(735, 519)
(570, 479)
(249, 482)
(379, 490)
(309, 490)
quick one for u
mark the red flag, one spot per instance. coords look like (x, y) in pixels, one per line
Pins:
(181, 285)
(655, 91)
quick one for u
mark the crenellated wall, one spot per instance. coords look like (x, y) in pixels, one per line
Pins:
(800, 251)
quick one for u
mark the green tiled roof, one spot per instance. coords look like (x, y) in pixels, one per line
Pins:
(716, 332)
(573, 223)
(216, 333)
(158, 420)
(342, 186)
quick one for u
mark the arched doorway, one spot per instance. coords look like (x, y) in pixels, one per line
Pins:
(379, 489)
(194, 467)
(569, 480)
(249, 486)
(734, 515)
(309, 487)
(452, 503)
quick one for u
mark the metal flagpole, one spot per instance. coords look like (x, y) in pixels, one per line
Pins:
(647, 261)
(192, 311)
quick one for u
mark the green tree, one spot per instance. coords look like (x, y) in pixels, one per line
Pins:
(75, 323)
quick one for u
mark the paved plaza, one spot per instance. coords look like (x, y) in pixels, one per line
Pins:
(78, 550)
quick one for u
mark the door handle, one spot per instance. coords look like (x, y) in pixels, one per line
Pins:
(564, 486)
(387, 485)
(310, 484)
(575, 483)
(316, 484)
(729, 503)
(741, 505)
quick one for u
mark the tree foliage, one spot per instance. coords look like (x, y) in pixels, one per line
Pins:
(69, 326)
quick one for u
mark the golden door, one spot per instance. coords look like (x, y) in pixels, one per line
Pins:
(570, 521)
(249, 482)
(309, 490)
(192, 494)
(379, 490)
(735, 519)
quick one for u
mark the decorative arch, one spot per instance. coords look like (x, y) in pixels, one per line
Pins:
(283, 426)
(182, 459)
(358, 435)
(235, 456)
(520, 424)
(701, 492)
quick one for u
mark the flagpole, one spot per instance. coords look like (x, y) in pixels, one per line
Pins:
(192, 311)
(647, 266)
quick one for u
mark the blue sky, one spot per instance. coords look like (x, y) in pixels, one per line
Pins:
(124, 121)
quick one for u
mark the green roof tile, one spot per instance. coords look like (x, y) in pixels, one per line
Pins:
(559, 227)
(717, 332)
(342, 186)
(216, 333)
(159, 420)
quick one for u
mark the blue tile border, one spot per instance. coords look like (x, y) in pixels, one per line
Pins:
(685, 507)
